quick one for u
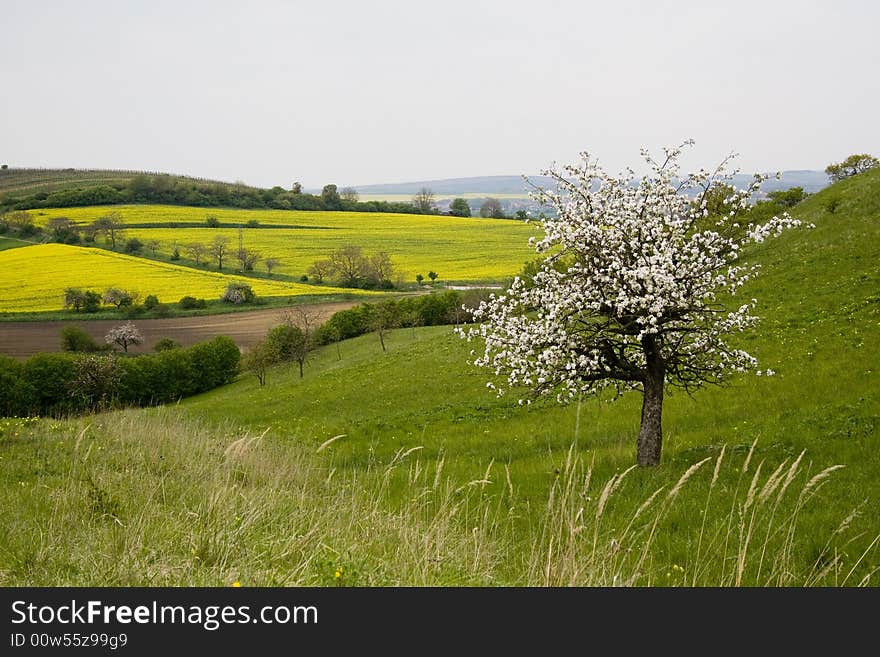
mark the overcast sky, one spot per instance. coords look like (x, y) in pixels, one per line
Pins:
(379, 91)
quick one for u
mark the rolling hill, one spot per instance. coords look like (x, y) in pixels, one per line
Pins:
(458, 249)
(16, 181)
(34, 278)
(402, 468)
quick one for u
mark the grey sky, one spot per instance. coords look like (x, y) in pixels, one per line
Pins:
(367, 92)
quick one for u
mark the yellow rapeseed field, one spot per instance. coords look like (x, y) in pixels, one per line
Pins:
(458, 249)
(33, 278)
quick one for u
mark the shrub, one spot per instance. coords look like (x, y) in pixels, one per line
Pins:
(95, 383)
(212, 221)
(238, 293)
(831, 204)
(166, 344)
(191, 303)
(16, 396)
(82, 301)
(175, 254)
(133, 245)
(47, 377)
(151, 301)
(252, 223)
(304, 278)
(162, 310)
(216, 362)
(132, 312)
(60, 384)
(73, 338)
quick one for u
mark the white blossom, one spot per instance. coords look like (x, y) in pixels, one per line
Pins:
(633, 270)
(125, 335)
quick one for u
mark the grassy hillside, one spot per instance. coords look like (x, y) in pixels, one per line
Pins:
(437, 481)
(34, 278)
(457, 249)
(17, 182)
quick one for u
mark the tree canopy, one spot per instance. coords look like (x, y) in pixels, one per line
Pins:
(629, 293)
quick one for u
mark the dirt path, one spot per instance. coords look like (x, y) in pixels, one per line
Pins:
(23, 339)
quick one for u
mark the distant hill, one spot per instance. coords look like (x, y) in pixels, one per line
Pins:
(811, 181)
(16, 182)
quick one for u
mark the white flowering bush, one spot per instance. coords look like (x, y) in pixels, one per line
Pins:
(634, 290)
(125, 335)
(238, 293)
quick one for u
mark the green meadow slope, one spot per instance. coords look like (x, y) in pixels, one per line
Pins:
(418, 419)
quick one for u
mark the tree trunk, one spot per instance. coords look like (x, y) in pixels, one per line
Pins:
(382, 339)
(650, 440)
(300, 369)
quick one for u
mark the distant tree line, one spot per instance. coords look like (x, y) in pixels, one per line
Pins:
(61, 384)
(126, 301)
(166, 189)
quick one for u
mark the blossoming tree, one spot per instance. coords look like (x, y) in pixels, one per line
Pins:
(125, 335)
(635, 290)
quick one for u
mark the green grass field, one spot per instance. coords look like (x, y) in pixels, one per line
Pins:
(34, 278)
(457, 249)
(437, 481)
(11, 243)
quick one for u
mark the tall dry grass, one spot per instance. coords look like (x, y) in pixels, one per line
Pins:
(153, 498)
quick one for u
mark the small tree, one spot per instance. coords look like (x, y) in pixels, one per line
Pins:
(423, 201)
(258, 359)
(78, 300)
(330, 197)
(153, 247)
(125, 335)
(297, 334)
(291, 344)
(851, 166)
(788, 198)
(383, 318)
(73, 338)
(61, 229)
(211, 221)
(433, 276)
(110, 226)
(419, 279)
(350, 264)
(460, 208)
(491, 208)
(270, 264)
(380, 270)
(196, 252)
(20, 221)
(114, 296)
(247, 259)
(349, 194)
(629, 293)
(219, 248)
(321, 269)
